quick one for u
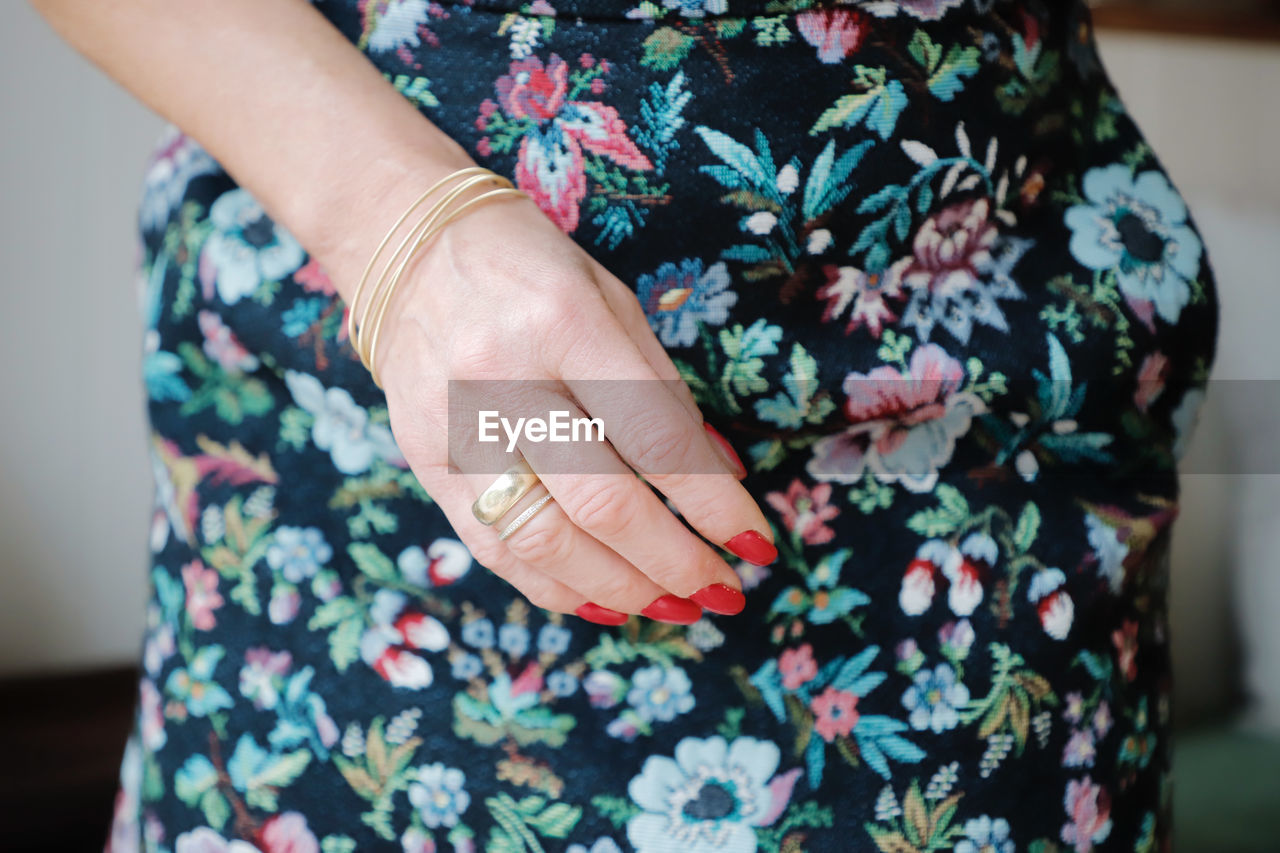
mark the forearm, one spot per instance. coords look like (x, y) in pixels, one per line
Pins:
(292, 110)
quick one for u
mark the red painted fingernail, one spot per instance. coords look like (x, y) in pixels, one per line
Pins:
(726, 450)
(593, 612)
(720, 598)
(673, 608)
(753, 548)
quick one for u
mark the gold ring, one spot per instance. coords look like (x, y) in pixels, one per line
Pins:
(529, 513)
(504, 493)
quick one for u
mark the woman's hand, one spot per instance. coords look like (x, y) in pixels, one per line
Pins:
(305, 122)
(502, 294)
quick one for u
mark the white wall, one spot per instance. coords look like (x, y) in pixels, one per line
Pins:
(75, 486)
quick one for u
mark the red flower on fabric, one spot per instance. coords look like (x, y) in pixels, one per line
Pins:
(551, 161)
(797, 666)
(836, 33)
(806, 511)
(835, 713)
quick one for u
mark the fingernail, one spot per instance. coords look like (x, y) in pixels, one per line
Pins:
(752, 547)
(593, 612)
(673, 608)
(720, 598)
(727, 451)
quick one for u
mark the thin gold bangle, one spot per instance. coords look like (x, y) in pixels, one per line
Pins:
(355, 297)
(377, 322)
(414, 238)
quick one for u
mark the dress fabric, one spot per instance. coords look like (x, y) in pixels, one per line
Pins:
(918, 265)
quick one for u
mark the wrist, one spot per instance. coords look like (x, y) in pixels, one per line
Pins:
(350, 218)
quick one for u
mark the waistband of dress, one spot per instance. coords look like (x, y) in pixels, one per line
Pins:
(661, 11)
(917, 12)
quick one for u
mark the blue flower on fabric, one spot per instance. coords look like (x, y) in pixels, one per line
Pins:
(466, 665)
(660, 693)
(554, 638)
(478, 633)
(1137, 226)
(194, 685)
(934, 698)
(438, 794)
(697, 8)
(341, 426)
(298, 552)
(562, 683)
(676, 299)
(245, 248)
(984, 835)
(513, 639)
(710, 797)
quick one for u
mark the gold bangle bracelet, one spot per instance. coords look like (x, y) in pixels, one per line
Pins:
(431, 222)
(355, 297)
(414, 239)
(377, 322)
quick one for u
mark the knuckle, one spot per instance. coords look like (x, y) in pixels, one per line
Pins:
(620, 592)
(607, 511)
(658, 451)
(545, 544)
(491, 554)
(545, 595)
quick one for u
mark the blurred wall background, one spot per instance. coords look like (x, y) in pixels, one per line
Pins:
(75, 480)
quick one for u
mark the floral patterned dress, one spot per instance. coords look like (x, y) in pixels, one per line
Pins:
(917, 264)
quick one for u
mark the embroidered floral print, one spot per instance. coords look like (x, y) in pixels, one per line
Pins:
(915, 261)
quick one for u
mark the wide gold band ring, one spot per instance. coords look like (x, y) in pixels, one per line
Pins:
(504, 493)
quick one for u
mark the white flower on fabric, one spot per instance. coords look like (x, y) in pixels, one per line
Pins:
(341, 426)
(819, 241)
(788, 179)
(761, 222)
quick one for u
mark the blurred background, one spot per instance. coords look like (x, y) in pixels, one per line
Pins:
(1202, 78)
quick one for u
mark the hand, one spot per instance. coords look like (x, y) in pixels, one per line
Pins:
(502, 294)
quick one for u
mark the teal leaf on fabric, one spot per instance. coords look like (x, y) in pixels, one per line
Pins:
(854, 667)
(879, 105)
(196, 776)
(738, 156)
(815, 759)
(373, 563)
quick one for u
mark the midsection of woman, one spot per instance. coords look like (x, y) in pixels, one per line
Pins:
(916, 263)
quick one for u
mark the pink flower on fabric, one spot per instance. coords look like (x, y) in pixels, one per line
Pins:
(202, 594)
(797, 666)
(313, 279)
(861, 293)
(1151, 380)
(289, 833)
(1089, 815)
(806, 511)
(551, 163)
(1125, 639)
(222, 345)
(836, 33)
(835, 713)
(904, 423)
